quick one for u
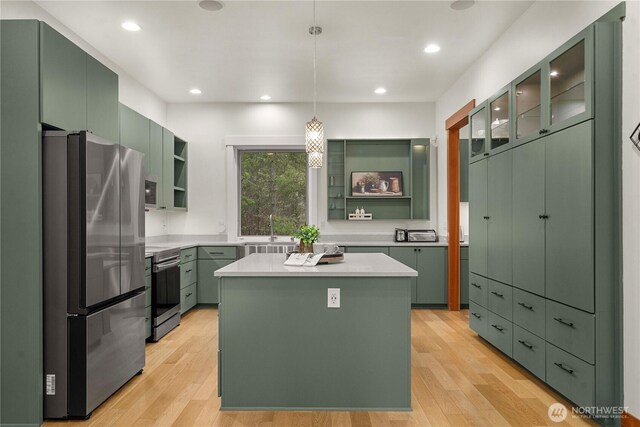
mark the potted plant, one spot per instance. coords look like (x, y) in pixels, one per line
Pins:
(308, 235)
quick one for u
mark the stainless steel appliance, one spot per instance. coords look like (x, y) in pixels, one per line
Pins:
(150, 193)
(165, 291)
(422, 236)
(93, 238)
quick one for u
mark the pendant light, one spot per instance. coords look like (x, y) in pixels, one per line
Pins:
(314, 130)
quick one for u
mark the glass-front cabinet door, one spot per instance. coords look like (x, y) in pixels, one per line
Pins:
(570, 83)
(528, 105)
(499, 123)
(478, 132)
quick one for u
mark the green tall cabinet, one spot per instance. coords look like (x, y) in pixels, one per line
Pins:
(134, 132)
(545, 235)
(156, 158)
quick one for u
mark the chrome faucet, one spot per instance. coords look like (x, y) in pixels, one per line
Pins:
(272, 238)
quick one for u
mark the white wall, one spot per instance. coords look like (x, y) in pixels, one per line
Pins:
(631, 208)
(206, 125)
(541, 29)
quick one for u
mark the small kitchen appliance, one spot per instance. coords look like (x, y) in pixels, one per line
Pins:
(422, 236)
(400, 235)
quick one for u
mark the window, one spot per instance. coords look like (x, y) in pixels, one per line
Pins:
(272, 183)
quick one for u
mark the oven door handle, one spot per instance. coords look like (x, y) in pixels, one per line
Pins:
(166, 265)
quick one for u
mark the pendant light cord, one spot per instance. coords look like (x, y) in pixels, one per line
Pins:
(315, 35)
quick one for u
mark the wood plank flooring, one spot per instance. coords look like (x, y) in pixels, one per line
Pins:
(457, 380)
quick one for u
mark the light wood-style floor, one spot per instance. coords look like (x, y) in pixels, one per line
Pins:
(457, 380)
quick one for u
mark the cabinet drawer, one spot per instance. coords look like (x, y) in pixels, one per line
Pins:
(499, 299)
(529, 351)
(478, 289)
(217, 252)
(571, 376)
(188, 274)
(147, 266)
(500, 333)
(188, 255)
(478, 318)
(528, 312)
(572, 330)
(188, 298)
(147, 322)
(147, 292)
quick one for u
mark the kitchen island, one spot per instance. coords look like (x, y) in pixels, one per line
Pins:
(282, 347)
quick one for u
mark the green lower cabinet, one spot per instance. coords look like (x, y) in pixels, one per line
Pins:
(188, 274)
(147, 291)
(572, 377)
(500, 299)
(188, 298)
(147, 322)
(529, 312)
(478, 318)
(529, 351)
(207, 284)
(572, 330)
(499, 333)
(430, 287)
(367, 250)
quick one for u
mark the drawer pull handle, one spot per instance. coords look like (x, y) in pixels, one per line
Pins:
(188, 255)
(528, 307)
(526, 344)
(564, 322)
(500, 328)
(498, 294)
(564, 368)
(476, 285)
(476, 315)
(189, 270)
(216, 253)
(189, 294)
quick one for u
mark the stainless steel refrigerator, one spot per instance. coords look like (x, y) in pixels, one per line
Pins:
(93, 239)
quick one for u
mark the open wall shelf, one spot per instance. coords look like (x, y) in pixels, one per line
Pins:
(180, 173)
(407, 159)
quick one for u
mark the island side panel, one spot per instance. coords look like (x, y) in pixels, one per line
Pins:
(282, 348)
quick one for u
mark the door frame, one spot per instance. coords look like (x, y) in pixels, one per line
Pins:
(453, 125)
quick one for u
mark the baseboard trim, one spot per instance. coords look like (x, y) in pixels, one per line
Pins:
(629, 420)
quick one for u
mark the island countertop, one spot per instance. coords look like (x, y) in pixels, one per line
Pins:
(354, 265)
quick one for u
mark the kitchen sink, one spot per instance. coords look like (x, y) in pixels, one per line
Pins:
(269, 248)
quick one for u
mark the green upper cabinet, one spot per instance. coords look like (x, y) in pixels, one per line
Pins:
(102, 100)
(570, 224)
(478, 181)
(404, 178)
(499, 114)
(134, 132)
(478, 132)
(63, 81)
(180, 173)
(167, 167)
(77, 91)
(528, 217)
(155, 158)
(499, 204)
(557, 92)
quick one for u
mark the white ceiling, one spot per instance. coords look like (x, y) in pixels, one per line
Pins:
(251, 48)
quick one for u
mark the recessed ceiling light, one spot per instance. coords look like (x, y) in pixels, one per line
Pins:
(265, 97)
(195, 91)
(210, 5)
(553, 73)
(496, 109)
(130, 26)
(461, 4)
(380, 90)
(432, 48)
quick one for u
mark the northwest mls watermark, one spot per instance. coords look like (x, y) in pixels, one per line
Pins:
(558, 412)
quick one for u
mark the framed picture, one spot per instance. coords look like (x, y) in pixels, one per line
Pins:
(377, 184)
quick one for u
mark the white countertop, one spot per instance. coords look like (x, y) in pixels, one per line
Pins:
(354, 265)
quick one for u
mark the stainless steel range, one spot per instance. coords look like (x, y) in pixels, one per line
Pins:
(165, 291)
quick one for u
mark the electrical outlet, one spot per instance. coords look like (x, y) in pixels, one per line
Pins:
(333, 298)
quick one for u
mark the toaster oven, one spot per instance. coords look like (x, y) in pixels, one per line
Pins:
(422, 236)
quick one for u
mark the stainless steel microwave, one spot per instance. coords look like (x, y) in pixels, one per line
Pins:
(151, 193)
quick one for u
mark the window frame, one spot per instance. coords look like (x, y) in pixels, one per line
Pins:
(234, 145)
